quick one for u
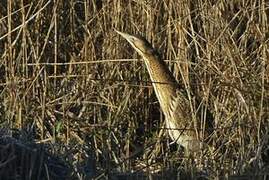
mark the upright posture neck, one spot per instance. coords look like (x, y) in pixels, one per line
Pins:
(164, 83)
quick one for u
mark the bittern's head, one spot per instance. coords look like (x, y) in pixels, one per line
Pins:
(140, 44)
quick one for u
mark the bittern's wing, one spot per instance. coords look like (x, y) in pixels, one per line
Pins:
(181, 112)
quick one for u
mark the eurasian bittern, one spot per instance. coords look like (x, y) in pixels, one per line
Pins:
(181, 125)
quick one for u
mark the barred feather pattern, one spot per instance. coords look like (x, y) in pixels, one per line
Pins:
(179, 123)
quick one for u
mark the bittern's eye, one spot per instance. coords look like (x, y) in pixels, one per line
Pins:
(140, 45)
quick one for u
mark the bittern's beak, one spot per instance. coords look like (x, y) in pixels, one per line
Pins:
(126, 36)
(135, 42)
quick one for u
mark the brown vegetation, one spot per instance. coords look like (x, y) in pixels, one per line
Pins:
(71, 81)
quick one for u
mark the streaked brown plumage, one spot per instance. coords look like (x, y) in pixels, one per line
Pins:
(174, 104)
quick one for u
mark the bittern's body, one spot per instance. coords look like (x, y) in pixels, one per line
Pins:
(181, 125)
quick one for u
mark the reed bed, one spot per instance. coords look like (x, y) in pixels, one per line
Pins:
(76, 87)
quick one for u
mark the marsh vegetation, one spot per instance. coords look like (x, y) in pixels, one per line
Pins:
(70, 83)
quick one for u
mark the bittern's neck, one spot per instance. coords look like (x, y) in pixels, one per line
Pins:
(164, 83)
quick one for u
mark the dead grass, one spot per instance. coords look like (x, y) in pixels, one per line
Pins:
(67, 76)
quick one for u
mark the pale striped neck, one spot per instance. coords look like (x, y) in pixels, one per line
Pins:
(164, 83)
